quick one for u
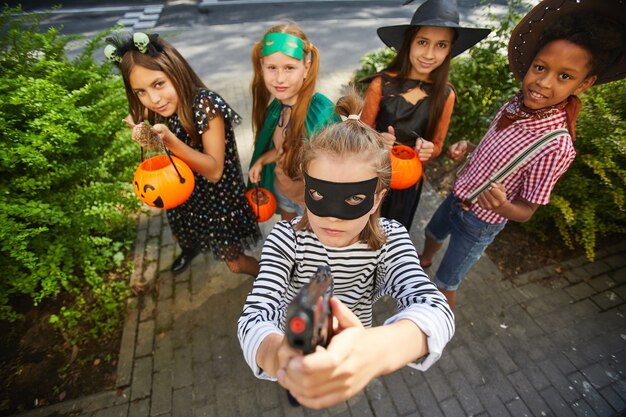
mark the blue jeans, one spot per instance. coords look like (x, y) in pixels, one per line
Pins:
(469, 237)
(286, 204)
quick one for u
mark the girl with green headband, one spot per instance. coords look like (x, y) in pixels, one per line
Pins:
(286, 111)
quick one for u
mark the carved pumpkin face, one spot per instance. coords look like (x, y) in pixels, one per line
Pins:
(157, 183)
(406, 168)
(263, 203)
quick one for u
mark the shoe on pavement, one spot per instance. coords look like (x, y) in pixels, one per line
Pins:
(184, 260)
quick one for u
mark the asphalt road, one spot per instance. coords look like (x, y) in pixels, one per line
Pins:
(217, 40)
(90, 16)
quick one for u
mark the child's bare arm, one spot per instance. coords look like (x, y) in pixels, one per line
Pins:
(459, 149)
(267, 158)
(495, 199)
(389, 136)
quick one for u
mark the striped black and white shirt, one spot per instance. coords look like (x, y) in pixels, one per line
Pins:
(361, 276)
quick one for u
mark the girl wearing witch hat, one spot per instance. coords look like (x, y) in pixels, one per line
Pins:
(560, 49)
(412, 99)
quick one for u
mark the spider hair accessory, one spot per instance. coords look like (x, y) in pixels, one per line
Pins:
(118, 45)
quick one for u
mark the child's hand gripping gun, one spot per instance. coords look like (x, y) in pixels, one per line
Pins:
(309, 317)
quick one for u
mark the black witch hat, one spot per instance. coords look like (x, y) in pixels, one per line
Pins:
(441, 13)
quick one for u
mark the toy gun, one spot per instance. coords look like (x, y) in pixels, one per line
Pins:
(309, 317)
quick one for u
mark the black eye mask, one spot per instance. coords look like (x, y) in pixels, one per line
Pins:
(335, 197)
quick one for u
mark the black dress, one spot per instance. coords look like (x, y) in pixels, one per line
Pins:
(217, 216)
(410, 122)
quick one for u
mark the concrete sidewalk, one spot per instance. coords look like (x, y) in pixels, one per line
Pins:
(550, 343)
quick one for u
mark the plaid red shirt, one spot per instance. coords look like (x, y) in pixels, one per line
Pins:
(534, 180)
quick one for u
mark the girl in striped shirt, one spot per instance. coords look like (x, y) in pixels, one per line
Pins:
(347, 171)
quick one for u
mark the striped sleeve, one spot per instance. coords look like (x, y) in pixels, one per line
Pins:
(265, 306)
(417, 298)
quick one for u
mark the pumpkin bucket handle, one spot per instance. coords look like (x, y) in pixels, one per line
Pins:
(256, 196)
(169, 155)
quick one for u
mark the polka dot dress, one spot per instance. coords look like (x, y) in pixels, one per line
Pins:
(217, 216)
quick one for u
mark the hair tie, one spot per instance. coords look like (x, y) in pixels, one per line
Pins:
(354, 117)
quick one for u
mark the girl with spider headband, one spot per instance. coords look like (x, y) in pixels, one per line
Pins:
(285, 66)
(412, 99)
(196, 125)
(346, 168)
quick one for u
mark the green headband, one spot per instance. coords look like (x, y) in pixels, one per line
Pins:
(286, 43)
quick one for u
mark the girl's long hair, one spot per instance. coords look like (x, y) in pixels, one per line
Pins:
(261, 97)
(186, 83)
(352, 138)
(401, 65)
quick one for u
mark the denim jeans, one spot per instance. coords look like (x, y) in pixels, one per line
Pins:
(469, 237)
(286, 204)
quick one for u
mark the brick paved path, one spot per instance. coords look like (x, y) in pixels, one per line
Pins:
(549, 343)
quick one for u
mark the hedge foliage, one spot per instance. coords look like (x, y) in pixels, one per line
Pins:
(67, 207)
(589, 200)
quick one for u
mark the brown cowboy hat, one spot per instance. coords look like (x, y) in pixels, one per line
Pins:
(442, 13)
(527, 34)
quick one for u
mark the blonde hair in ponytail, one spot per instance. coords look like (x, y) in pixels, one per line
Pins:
(261, 97)
(348, 138)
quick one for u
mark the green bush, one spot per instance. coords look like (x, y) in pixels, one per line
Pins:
(483, 80)
(373, 63)
(589, 200)
(67, 207)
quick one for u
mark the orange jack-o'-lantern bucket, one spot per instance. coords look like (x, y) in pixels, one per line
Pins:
(263, 203)
(163, 181)
(406, 168)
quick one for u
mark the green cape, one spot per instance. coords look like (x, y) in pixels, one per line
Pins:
(320, 113)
